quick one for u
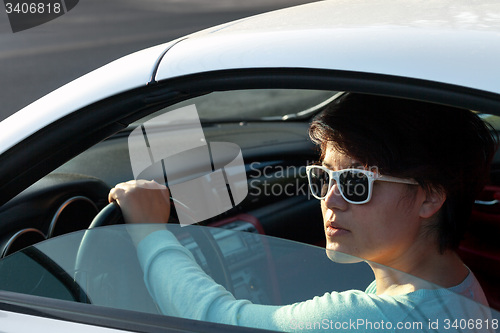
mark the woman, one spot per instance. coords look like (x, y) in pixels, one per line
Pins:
(391, 194)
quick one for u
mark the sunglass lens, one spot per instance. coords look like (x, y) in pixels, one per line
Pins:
(318, 182)
(354, 185)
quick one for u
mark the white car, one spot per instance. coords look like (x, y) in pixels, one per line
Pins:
(244, 93)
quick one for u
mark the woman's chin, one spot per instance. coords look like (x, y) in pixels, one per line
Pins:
(336, 254)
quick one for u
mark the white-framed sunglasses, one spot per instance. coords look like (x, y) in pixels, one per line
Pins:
(355, 185)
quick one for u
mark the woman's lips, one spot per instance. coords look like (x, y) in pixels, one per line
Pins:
(333, 230)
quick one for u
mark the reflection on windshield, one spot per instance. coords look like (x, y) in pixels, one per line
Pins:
(109, 271)
(256, 104)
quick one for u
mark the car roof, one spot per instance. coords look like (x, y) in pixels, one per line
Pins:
(454, 42)
(449, 41)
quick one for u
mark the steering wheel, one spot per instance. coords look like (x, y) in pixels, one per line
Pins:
(111, 214)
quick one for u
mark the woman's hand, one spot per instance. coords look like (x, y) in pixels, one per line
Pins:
(142, 201)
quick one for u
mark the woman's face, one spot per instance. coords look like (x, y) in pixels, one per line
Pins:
(384, 230)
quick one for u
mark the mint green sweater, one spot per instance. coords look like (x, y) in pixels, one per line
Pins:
(182, 289)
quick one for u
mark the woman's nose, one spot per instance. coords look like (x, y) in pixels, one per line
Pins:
(334, 199)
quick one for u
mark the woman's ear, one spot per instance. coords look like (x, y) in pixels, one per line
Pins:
(434, 200)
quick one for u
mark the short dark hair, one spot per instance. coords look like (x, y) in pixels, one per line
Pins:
(441, 147)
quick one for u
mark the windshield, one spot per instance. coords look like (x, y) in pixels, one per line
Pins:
(257, 104)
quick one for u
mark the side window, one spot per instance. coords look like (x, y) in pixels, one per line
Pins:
(34, 273)
(235, 163)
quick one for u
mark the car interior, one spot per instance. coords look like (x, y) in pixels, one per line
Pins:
(64, 188)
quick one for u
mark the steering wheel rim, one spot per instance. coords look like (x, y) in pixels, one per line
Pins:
(109, 215)
(112, 214)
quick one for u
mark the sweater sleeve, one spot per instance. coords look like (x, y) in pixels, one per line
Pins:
(181, 288)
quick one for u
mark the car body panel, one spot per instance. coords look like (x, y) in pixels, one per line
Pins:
(132, 71)
(18, 322)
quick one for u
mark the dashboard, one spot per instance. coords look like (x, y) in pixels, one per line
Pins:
(56, 205)
(244, 257)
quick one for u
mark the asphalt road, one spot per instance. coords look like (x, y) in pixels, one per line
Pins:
(36, 61)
